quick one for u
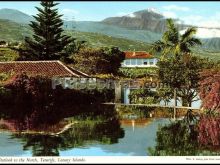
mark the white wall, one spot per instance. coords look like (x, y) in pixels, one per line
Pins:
(139, 62)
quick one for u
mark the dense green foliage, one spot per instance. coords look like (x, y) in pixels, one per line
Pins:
(138, 72)
(177, 66)
(8, 54)
(98, 61)
(36, 102)
(143, 96)
(101, 40)
(11, 31)
(48, 40)
(182, 74)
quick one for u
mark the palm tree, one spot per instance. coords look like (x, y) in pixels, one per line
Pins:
(176, 45)
(173, 43)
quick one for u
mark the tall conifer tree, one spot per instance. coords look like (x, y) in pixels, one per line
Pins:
(48, 40)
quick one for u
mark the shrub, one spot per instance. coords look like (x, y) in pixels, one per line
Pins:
(98, 60)
(33, 101)
(209, 131)
(209, 90)
(143, 96)
(137, 72)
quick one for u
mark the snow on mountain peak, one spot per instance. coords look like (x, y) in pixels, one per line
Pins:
(153, 10)
(131, 15)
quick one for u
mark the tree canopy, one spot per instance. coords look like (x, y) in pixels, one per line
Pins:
(175, 44)
(48, 40)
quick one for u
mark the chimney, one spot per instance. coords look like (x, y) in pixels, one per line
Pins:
(133, 53)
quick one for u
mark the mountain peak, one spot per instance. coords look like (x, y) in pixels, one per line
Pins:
(153, 10)
(147, 19)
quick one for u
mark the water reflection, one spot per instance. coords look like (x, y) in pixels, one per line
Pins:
(178, 138)
(109, 130)
(78, 136)
(99, 125)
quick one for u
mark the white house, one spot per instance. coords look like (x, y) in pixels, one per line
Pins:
(139, 59)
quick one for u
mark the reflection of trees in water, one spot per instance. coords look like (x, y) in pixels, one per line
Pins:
(106, 132)
(41, 145)
(178, 139)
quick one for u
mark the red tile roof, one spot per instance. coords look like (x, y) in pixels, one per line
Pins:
(141, 54)
(44, 68)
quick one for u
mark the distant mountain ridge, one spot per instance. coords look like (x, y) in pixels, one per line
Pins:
(140, 20)
(15, 16)
(141, 26)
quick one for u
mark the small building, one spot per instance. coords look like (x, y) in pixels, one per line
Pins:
(43, 68)
(140, 59)
(59, 73)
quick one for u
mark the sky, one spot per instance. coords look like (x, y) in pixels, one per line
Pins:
(205, 14)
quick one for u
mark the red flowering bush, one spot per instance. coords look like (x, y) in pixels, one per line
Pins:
(209, 131)
(210, 90)
(209, 124)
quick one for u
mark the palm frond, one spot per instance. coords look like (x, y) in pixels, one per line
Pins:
(188, 34)
(158, 46)
(193, 42)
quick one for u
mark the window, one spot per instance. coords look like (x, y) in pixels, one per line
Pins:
(145, 61)
(139, 62)
(151, 61)
(127, 62)
(133, 61)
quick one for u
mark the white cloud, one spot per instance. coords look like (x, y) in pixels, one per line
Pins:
(175, 7)
(169, 14)
(197, 20)
(205, 33)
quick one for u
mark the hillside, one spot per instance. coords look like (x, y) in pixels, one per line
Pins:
(213, 55)
(100, 40)
(15, 16)
(212, 44)
(114, 31)
(144, 30)
(7, 54)
(11, 31)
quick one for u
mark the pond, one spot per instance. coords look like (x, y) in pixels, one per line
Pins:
(117, 131)
(134, 141)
